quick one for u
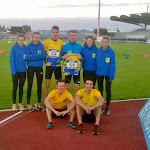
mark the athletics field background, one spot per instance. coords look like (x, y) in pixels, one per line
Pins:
(131, 81)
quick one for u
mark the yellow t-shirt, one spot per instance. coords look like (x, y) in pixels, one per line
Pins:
(53, 49)
(59, 101)
(89, 99)
(51, 44)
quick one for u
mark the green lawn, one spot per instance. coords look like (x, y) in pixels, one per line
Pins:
(131, 81)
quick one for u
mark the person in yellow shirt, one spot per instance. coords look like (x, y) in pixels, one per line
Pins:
(88, 102)
(60, 102)
(53, 48)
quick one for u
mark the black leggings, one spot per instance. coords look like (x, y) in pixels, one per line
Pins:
(19, 77)
(30, 76)
(100, 80)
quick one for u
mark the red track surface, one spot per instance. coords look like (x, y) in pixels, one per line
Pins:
(121, 130)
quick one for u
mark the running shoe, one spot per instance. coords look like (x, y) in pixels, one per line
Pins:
(96, 130)
(107, 111)
(80, 129)
(50, 125)
(14, 107)
(30, 108)
(44, 108)
(20, 106)
(69, 124)
(37, 106)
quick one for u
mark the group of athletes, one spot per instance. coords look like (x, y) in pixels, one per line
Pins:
(97, 64)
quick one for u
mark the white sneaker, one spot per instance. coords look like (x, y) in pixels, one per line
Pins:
(20, 106)
(14, 107)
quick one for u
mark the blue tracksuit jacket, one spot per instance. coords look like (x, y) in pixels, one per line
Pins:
(73, 48)
(89, 58)
(106, 63)
(35, 54)
(17, 59)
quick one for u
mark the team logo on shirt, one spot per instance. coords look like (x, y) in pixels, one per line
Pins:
(69, 52)
(48, 64)
(107, 60)
(24, 56)
(93, 55)
(39, 51)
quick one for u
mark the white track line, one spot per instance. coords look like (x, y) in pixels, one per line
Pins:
(3, 122)
(3, 110)
(10, 117)
(128, 100)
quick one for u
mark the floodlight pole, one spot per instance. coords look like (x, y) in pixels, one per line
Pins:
(147, 7)
(98, 26)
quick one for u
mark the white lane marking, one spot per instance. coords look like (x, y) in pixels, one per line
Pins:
(128, 100)
(10, 117)
(14, 118)
(3, 110)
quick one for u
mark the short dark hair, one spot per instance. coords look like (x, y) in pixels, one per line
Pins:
(73, 31)
(89, 37)
(55, 27)
(89, 79)
(35, 33)
(21, 35)
(60, 80)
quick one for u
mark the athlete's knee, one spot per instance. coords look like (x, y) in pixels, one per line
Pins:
(98, 108)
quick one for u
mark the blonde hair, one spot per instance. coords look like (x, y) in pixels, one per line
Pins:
(106, 38)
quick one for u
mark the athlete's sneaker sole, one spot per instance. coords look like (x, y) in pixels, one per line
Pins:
(80, 132)
(95, 133)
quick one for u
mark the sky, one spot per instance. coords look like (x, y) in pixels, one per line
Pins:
(34, 9)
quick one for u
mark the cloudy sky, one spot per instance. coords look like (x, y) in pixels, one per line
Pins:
(32, 9)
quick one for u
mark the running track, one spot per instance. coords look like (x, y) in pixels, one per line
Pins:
(121, 130)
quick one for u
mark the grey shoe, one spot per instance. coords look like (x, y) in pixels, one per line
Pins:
(30, 108)
(96, 130)
(38, 106)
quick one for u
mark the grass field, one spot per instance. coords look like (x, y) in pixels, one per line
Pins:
(131, 81)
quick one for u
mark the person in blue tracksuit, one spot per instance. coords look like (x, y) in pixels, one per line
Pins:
(88, 53)
(71, 48)
(18, 69)
(35, 57)
(106, 69)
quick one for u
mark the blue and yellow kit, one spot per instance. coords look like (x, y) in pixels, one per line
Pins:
(72, 65)
(53, 49)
